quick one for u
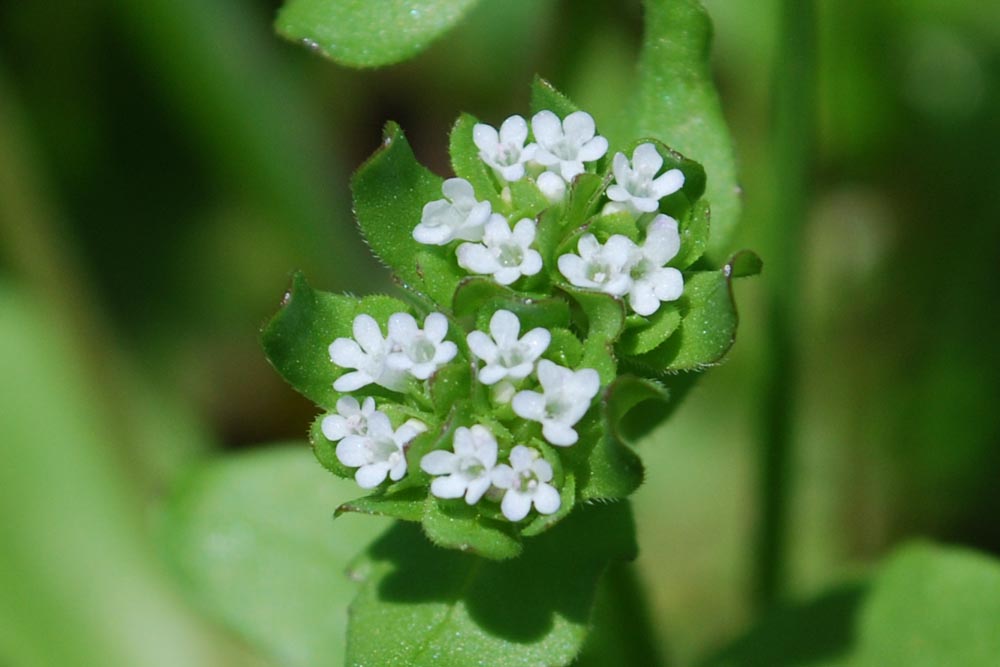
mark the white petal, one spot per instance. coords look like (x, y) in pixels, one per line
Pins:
(552, 186)
(506, 275)
(482, 345)
(367, 333)
(546, 127)
(669, 285)
(408, 431)
(334, 427)
(542, 469)
(512, 173)
(367, 408)
(642, 299)
(646, 160)
(446, 351)
(402, 328)
(579, 127)
(593, 149)
(370, 476)
(588, 246)
(503, 476)
(352, 451)
(546, 499)
(573, 268)
(552, 376)
(559, 434)
(346, 353)
(452, 486)
(458, 190)
(618, 193)
(619, 165)
(432, 235)
(398, 470)
(524, 232)
(352, 381)
(477, 488)
(504, 327)
(535, 342)
(619, 250)
(662, 240)
(489, 375)
(529, 405)
(379, 426)
(522, 457)
(515, 506)
(476, 258)
(438, 462)
(496, 231)
(348, 406)
(520, 371)
(485, 138)
(435, 327)
(532, 263)
(668, 183)
(514, 130)
(586, 382)
(570, 169)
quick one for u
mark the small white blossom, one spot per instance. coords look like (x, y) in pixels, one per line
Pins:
(505, 355)
(505, 253)
(366, 353)
(505, 150)
(380, 452)
(563, 146)
(352, 418)
(468, 471)
(419, 352)
(652, 282)
(526, 481)
(636, 186)
(552, 186)
(458, 216)
(565, 399)
(604, 268)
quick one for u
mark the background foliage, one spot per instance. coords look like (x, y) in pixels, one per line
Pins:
(164, 165)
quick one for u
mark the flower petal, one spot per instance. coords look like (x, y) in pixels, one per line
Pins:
(559, 434)
(504, 327)
(452, 486)
(593, 149)
(535, 342)
(486, 138)
(459, 191)
(352, 381)
(367, 333)
(476, 258)
(514, 130)
(477, 488)
(546, 127)
(482, 345)
(371, 475)
(346, 353)
(438, 462)
(668, 183)
(529, 405)
(515, 506)
(353, 451)
(546, 499)
(334, 428)
(491, 374)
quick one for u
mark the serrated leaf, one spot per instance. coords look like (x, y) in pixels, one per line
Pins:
(425, 606)
(407, 504)
(707, 329)
(390, 191)
(652, 331)
(466, 163)
(544, 96)
(455, 525)
(932, 606)
(253, 538)
(297, 339)
(677, 103)
(359, 33)
(564, 349)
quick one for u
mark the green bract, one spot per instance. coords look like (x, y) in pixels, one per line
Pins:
(585, 331)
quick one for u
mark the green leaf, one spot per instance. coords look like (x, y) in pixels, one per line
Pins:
(298, 337)
(745, 264)
(466, 163)
(631, 405)
(544, 96)
(478, 298)
(650, 332)
(455, 525)
(932, 606)
(707, 329)
(694, 230)
(253, 538)
(390, 191)
(360, 33)
(605, 319)
(423, 606)
(677, 103)
(584, 197)
(407, 505)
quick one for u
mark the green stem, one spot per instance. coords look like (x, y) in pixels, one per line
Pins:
(793, 118)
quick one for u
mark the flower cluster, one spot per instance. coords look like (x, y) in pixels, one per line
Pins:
(508, 453)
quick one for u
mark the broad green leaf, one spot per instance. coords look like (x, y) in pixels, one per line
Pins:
(584, 197)
(677, 103)
(407, 505)
(424, 606)
(298, 337)
(707, 329)
(253, 537)
(390, 191)
(544, 96)
(527, 201)
(694, 229)
(478, 298)
(466, 163)
(605, 319)
(745, 264)
(650, 332)
(455, 525)
(564, 349)
(631, 406)
(361, 33)
(932, 606)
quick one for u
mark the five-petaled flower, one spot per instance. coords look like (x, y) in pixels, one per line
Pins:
(563, 146)
(565, 398)
(637, 188)
(468, 470)
(380, 452)
(652, 282)
(603, 268)
(505, 355)
(351, 418)
(526, 483)
(419, 352)
(459, 216)
(504, 253)
(504, 151)
(366, 353)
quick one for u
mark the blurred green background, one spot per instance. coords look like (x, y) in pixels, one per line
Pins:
(166, 164)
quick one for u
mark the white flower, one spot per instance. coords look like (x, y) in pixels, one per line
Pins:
(367, 354)
(380, 452)
(637, 187)
(504, 253)
(552, 186)
(604, 268)
(652, 282)
(526, 482)
(504, 354)
(468, 470)
(351, 420)
(504, 151)
(459, 216)
(419, 353)
(566, 398)
(564, 146)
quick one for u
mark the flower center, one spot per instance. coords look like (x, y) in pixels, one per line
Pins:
(383, 449)
(555, 408)
(510, 255)
(470, 467)
(527, 481)
(597, 272)
(422, 351)
(512, 356)
(508, 154)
